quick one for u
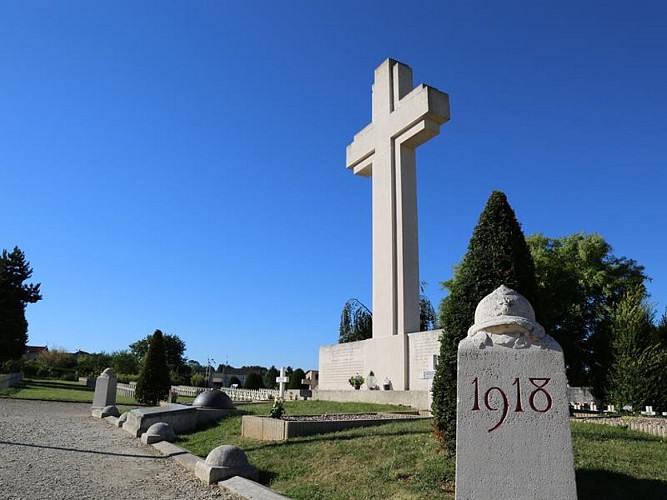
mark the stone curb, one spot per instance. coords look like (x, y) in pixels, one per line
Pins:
(240, 486)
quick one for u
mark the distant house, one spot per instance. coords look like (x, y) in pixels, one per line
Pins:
(312, 379)
(33, 351)
(222, 379)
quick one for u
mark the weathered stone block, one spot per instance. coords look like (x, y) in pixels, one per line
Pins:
(180, 417)
(105, 390)
(513, 431)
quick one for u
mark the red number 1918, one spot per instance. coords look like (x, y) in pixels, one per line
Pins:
(540, 393)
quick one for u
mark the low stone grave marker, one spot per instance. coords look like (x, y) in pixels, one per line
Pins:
(105, 392)
(181, 418)
(648, 411)
(513, 431)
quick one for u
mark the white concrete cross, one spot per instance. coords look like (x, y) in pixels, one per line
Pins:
(403, 118)
(282, 380)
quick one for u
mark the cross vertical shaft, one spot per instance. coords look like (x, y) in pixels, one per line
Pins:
(403, 118)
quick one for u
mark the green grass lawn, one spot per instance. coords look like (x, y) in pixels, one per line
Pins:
(616, 463)
(396, 460)
(62, 390)
(401, 460)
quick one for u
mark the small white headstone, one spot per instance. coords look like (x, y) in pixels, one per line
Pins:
(648, 411)
(513, 431)
(282, 380)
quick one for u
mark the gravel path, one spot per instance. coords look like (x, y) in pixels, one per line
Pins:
(57, 450)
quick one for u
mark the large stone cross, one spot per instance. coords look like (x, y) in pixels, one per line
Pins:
(403, 118)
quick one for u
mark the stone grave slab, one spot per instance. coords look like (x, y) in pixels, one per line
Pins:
(181, 418)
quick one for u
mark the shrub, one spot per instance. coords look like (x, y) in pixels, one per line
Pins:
(254, 381)
(198, 380)
(497, 255)
(154, 383)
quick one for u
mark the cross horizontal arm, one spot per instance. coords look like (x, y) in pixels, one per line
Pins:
(423, 103)
(360, 152)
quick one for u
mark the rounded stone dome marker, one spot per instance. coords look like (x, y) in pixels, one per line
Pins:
(214, 399)
(224, 462)
(158, 432)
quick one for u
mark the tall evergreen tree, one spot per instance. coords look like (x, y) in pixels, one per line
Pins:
(497, 255)
(15, 294)
(295, 379)
(637, 375)
(154, 382)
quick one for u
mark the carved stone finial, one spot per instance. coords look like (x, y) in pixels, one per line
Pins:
(505, 317)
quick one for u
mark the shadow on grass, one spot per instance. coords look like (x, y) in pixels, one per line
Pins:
(601, 484)
(54, 384)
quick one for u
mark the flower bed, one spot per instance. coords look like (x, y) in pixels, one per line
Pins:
(280, 429)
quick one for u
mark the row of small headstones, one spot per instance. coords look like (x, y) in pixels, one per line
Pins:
(234, 394)
(647, 427)
(592, 406)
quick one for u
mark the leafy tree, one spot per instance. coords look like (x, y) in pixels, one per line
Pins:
(15, 294)
(154, 382)
(270, 377)
(295, 379)
(196, 367)
(660, 332)
(356, 322)
(427, 319)
(198, 380)
(637, 375)
(234, 380)
(175, 352)
(254, 381)
(124, 362)
(56, 363)
(497, 254)
(581, 281)
(92, 365)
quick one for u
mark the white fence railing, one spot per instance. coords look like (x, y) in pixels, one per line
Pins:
(184, 390)
(250, 394)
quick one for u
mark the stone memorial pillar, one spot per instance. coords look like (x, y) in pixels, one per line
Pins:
(513, 430)
(105, 390)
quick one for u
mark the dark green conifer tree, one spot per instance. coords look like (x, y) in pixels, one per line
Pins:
(497, 255)
(154, 383)
(14, 296)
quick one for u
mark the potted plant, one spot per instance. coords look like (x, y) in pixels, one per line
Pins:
(356, 381)
(278, 408)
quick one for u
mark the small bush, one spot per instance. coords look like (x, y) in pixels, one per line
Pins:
(254, 381)
(198, 380)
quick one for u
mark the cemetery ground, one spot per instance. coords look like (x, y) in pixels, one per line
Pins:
(401, 459)
(396, 460)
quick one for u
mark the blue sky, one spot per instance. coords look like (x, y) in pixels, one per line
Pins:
(181, 165)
